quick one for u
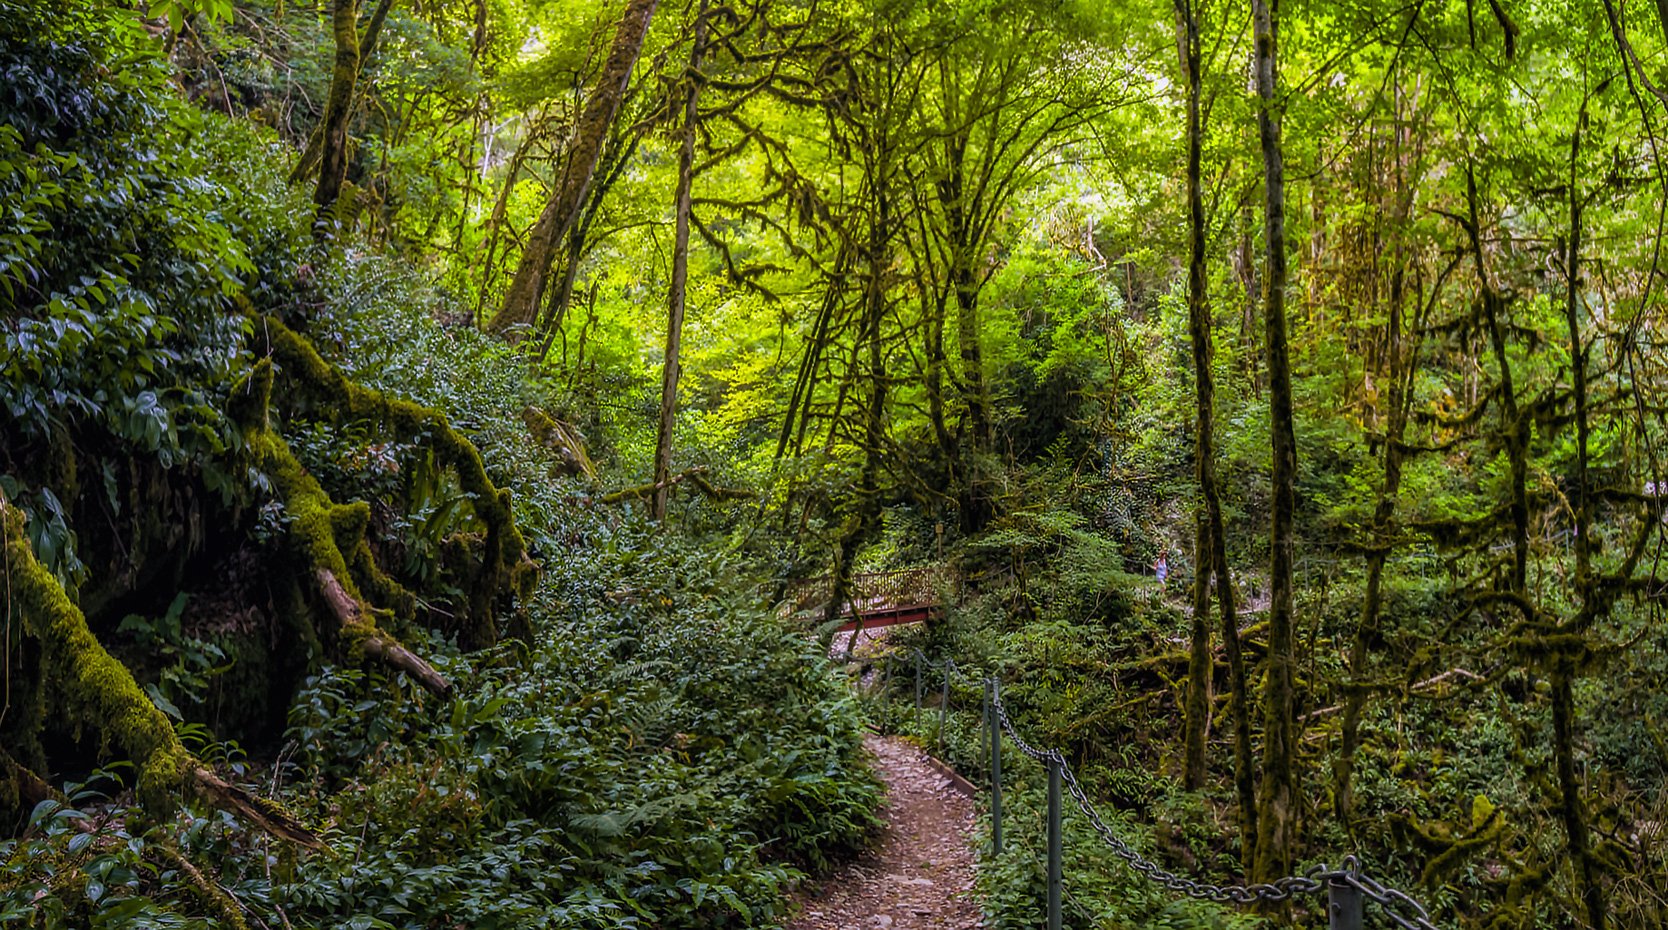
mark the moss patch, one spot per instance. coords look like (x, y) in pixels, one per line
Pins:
(88, 687)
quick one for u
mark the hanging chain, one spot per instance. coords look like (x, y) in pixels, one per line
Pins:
(1398, 905)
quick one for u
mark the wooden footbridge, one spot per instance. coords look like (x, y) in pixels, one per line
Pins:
(878, 599)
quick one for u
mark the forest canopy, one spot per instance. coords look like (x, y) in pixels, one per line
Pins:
(439, 440)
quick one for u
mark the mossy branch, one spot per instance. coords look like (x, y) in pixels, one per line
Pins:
(207, 891)
(506, 563)
(327, 535)
(93, 691)
(364, 637)
(696, 476)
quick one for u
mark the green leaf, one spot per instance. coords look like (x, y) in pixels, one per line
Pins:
(163, 704)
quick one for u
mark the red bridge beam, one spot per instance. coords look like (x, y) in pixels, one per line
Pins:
(894, 616)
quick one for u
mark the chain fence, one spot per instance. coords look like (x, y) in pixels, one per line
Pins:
(1346, 885)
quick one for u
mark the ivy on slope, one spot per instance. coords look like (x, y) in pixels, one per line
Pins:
(665, 753)
(655, 752)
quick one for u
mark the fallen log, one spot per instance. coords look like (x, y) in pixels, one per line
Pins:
(696, 475)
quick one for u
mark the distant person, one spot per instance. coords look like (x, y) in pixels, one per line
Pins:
(1161, 568)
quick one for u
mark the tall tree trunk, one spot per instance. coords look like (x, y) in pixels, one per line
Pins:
(671, 368)
(934, 306)
(521, 302)
(1514, 427)
(1201, 663)
(616, 156)
(1246, 263)
(962, 279)
(500, 210)
(1239, 693)
(1565, 671)
(869, 348)
(1277, 802)
(976, 504)
(314, 150)
(977, 390)
(333, 155)
(798, 417)
(1211, 546)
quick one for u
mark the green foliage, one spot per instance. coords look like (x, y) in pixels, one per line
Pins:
(184, 664)
(76, 869)
(644, 743)
(662, 752)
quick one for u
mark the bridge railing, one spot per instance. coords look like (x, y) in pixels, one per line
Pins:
(1347, 887)
(909, 587)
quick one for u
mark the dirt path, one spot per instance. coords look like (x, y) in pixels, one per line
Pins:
(920, 875)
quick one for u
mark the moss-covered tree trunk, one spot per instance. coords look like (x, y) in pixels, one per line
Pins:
(672, 365)
(1201, 663)
(1210, 532)
(329, 594)
(88, 690)
(1572, 808)
(311, 155)
(1277, 798)
(1514, 427)
(333, 155)
(521, 302)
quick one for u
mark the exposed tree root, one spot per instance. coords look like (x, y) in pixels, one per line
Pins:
(207, 891)
(90, 690)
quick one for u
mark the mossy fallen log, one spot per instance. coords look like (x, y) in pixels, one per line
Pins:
(91, 691)
(208, 892)
(561, 439)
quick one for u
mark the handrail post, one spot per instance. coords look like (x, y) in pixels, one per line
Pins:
(943, 706)
(994, 688)
(1343, 910)
(1055, 844)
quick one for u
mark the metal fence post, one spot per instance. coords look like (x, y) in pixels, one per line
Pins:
(1343, 910)
(943, 706)
(917, 680)
(1055, 844)
(995, 690)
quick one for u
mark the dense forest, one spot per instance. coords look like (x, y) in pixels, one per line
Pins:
(421, 422)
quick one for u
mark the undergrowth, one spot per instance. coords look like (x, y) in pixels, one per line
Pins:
(656, 750)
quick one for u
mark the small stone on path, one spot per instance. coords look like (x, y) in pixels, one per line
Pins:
(919, 876)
